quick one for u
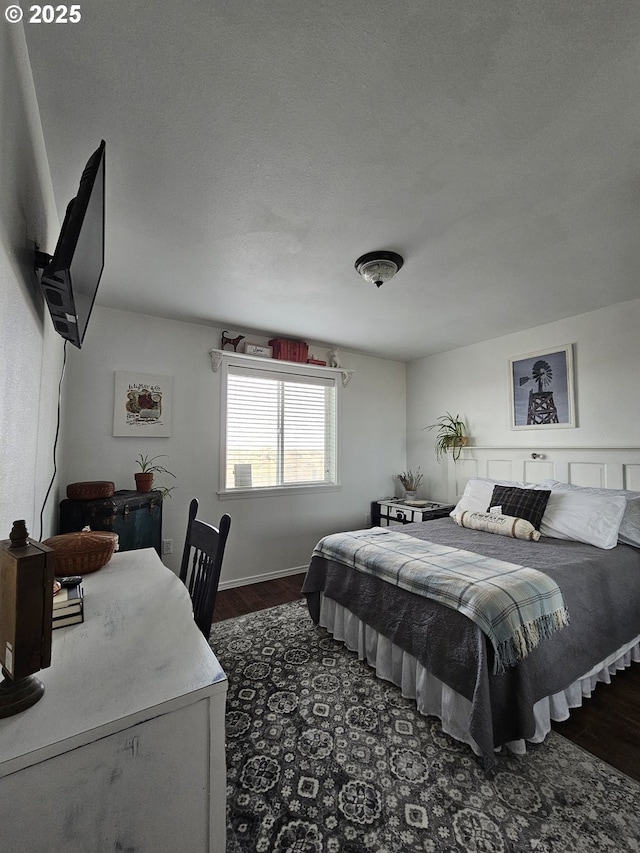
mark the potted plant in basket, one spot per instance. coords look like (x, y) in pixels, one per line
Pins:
(450, 436)
(410, 482)
(146, 475)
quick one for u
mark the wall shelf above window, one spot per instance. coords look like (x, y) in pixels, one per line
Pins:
(217, 356)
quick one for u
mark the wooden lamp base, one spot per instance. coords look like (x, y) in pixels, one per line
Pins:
(26, 614)
(18, 695)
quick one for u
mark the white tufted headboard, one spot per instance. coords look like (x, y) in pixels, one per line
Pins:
(604, 467)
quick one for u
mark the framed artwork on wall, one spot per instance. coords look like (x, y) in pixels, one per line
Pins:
(142, 404)
(542, 389)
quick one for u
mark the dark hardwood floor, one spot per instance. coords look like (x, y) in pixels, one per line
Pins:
(607, 724)
(257, 596)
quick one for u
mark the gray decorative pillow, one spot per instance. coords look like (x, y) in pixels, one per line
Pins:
(529, 504)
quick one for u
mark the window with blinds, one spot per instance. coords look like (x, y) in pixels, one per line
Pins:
(280, 428)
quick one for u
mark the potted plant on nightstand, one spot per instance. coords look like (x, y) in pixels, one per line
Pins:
(146, 475)
(450, 436)
(410, 482)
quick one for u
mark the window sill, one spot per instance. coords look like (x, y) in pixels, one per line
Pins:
(315, 489)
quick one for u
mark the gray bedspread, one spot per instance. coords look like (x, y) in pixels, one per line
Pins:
(601, 590)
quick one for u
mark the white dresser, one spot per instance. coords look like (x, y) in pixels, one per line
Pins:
(126, 749)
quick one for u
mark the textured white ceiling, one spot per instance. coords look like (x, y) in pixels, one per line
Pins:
(256, 149)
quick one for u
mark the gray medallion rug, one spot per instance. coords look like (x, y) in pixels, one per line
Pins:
(323, 757)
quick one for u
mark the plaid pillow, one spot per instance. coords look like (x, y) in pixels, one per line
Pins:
(529, 504)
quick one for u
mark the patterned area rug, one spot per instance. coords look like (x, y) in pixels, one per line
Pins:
(323, 757)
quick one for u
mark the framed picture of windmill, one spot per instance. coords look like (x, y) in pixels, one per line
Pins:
(542, 395)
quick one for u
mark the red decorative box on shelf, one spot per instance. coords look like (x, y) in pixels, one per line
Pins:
(316, 361)
(289, 350)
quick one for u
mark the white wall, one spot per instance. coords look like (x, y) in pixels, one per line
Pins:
(269, 535)
(30, 352)
(473, 381)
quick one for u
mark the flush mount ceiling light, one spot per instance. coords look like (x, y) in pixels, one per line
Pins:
(378, 267)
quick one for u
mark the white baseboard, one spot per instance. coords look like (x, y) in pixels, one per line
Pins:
(265, 576)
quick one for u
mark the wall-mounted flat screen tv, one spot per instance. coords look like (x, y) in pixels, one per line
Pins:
(71, 276)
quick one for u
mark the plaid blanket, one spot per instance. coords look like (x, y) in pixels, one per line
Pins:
(515, 606)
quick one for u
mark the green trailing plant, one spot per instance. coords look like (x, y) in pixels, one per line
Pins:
(410, 480)
(451, 435)
(165, 491)
(150, 465)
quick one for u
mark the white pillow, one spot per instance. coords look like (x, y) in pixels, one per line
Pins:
(493, 522)
(593, 519)
(478, 492)
(629, 532)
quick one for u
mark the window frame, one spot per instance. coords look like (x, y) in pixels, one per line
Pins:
(269, 365)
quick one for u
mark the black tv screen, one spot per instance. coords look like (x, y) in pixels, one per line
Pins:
(72, 274)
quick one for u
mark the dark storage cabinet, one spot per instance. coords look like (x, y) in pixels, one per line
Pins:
(135, 516)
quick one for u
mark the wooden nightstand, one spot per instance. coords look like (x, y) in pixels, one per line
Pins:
(397, 511)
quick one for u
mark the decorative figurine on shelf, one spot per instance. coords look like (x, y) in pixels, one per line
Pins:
(19, 536)
(233, 341)
(334, 358)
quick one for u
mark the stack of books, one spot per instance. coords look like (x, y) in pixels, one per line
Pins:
(286, 350)
(68, 606)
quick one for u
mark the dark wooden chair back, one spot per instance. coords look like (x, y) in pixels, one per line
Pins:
(202, 563)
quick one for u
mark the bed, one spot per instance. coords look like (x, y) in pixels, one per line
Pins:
(444, 660)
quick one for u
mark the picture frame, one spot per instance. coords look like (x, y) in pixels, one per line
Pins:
(142, 404)
(542, 389)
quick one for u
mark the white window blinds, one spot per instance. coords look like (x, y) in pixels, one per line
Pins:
(280, 428)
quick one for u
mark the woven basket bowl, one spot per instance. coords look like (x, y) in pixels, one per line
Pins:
(90, 490)
(82, 553)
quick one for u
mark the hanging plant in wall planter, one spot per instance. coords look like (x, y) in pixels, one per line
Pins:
(451, 435)
(145, 477)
